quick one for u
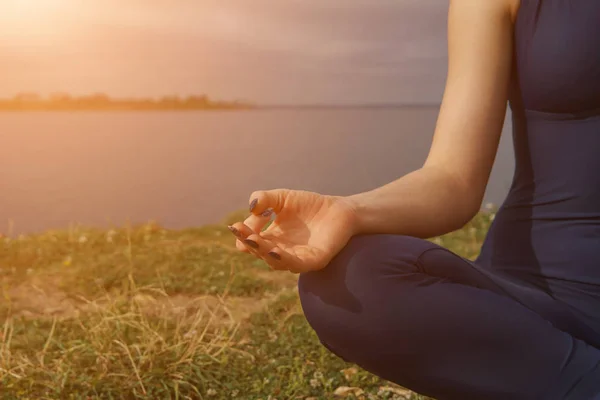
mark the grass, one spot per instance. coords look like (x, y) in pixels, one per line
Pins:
(149, 313)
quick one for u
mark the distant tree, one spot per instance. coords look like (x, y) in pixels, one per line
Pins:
(197, 101)
(170, 101)
(101, 101)
(27, 97)
(60, 97)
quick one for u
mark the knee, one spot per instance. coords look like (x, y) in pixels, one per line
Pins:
(353, 263)
(363, 260)
(333, 298)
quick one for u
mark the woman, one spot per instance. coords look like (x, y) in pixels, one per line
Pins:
(523, 320)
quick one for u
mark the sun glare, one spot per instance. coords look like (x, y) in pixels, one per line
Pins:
(24, 18)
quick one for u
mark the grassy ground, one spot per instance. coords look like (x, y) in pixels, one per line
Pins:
(149, 313)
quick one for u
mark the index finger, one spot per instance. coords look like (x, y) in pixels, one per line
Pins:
(262, 200)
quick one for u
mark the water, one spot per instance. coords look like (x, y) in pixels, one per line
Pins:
(190, 169)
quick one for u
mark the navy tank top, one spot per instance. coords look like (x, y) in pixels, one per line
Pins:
(546, 234)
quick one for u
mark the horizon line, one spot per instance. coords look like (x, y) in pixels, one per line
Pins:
(63, 96)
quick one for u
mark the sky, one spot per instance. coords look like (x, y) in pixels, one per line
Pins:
(266, 51)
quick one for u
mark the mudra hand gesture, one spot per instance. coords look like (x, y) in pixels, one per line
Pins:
(308, 231)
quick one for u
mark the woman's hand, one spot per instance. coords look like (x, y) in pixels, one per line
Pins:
(308, 231)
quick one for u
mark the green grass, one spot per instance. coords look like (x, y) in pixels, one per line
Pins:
(149, 313)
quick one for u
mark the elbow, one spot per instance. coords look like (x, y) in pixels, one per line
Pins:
(470, 205)
(466, 204)
(454, 212)
(468, 216)
(459, 201)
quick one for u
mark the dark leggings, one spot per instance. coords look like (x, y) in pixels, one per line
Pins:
(418, 315)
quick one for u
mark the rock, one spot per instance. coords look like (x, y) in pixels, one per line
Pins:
(349, 372)
(345, 391)
(404, 393)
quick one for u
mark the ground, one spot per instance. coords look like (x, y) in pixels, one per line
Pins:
(149, 313)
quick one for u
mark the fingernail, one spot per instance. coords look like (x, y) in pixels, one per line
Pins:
(267, 213)
(275, 255)
(251, 243)
(253, 204)
(233, 230)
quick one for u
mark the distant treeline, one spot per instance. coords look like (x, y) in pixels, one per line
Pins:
(66, 102)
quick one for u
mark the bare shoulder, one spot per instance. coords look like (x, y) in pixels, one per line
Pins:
(486, 8)
(510, 5)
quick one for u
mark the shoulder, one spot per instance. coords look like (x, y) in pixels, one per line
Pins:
(491, 8)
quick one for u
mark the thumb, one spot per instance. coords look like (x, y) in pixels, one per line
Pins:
(263, 200)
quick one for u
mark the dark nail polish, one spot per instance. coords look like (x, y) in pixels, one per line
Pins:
(275, 255)
(234, 230)
(253, 204)
(251, 243)
(267, 213)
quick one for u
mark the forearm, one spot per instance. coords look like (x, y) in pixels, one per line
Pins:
(425, 203)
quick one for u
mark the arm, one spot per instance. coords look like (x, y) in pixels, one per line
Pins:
(448, 190)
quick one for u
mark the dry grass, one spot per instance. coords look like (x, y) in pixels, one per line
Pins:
(148, 313)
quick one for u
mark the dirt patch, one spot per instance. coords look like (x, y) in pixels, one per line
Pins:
(44, 299)
(219, 310)
(39, 299)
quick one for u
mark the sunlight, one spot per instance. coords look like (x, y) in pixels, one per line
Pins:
(21, 8)
(25, 18)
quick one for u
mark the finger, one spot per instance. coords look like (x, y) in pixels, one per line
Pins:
(273, 255)
(257, 223)
(261, 246)
(241, 231)
(262, 200)
(240, 246)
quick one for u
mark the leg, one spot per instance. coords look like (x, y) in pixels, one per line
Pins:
(418, 315)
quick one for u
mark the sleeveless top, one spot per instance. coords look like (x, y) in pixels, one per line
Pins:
(546, 234)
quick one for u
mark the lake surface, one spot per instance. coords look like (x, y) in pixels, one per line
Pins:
(186, 169)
